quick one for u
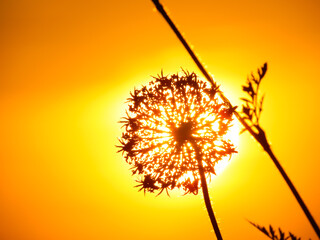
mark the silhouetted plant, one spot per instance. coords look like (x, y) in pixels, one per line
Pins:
(253, 127)
(253, 106)
(251, 111)
(272, 233)
(175, 134)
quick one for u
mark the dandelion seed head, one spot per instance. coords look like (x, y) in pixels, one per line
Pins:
(167, 122)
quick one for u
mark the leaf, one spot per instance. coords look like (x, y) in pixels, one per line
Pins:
(264, 230)
(271, 231)
(247, 111)
(246, 100)
(248, 89)
(253, 78)
(262, 71)
(281, 234)
(253, 107)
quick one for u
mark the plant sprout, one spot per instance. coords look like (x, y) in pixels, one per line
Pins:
(174, 134)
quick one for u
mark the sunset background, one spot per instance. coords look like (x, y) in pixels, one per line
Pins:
(66, 69)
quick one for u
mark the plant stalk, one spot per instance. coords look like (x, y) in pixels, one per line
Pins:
(260, 136)
(205, 192)
(295, 192)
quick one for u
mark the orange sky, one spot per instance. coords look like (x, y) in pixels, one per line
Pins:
(66, 69)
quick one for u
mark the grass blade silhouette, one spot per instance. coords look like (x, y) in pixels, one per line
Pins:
(259, 135)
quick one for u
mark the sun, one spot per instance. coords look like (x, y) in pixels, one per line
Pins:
(174, 128)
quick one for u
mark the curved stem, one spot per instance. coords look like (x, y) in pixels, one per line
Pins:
(260, 136)
(205, 192)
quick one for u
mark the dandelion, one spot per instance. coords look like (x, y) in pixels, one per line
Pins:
(174, 134)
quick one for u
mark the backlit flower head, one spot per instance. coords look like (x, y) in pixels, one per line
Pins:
(170, 126)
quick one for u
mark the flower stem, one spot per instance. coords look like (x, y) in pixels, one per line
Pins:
(206, 192)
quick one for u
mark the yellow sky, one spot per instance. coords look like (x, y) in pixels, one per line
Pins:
(66, 69)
